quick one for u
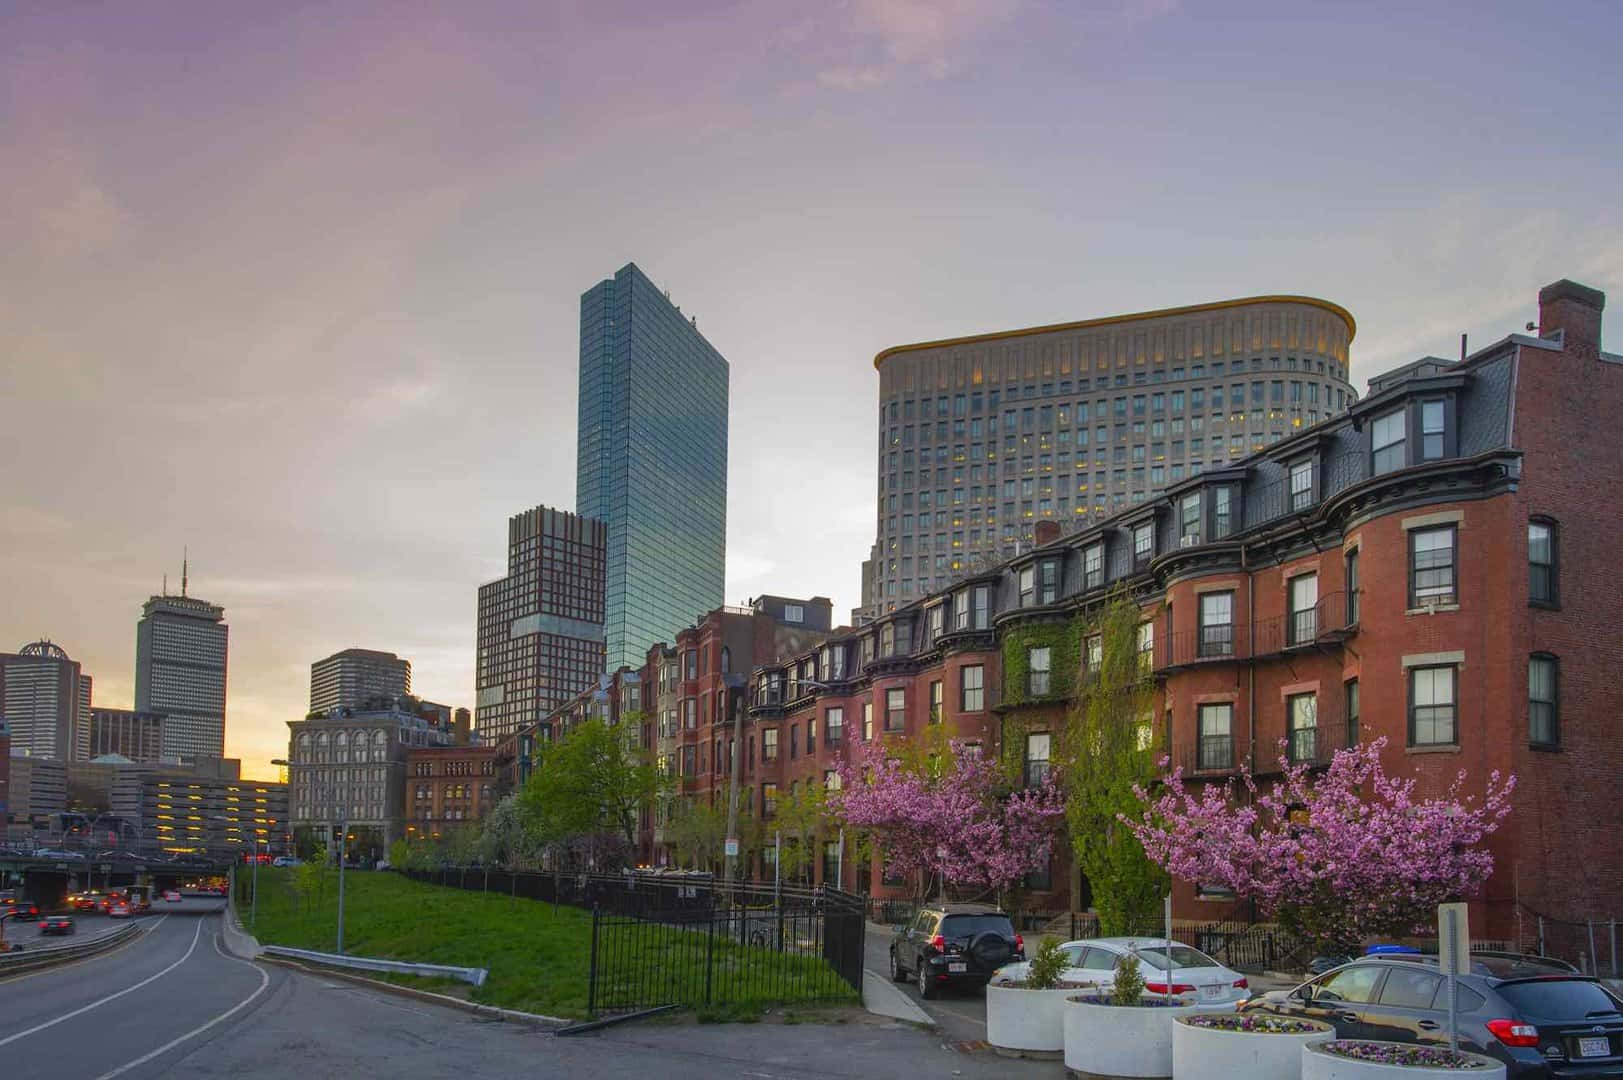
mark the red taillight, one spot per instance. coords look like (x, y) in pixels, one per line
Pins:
(1240, 984)
(939, 943)
(1019, 943)
(1161, 988)
(42, 926)
(1513, 1033)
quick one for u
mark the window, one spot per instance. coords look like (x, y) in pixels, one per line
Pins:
(1301, 483)
(1410, 988)
(867, 721)
(1037, 764)
(1431, 430)
(1095, 652)
(1048, 581)
(1352, 587)
(1431, 566)
(1028, 586)
(834, 726)
(895, 709)
(1303, 624)
(1431, 706)
(1222, 512)
(690, 713)
(1216, 737)
(1093, 566)
(1217, 624)
(1542, 580)
(1354, 984)
(1543, 728)
(935, 701)
(1189, 519)
(1146, 647)
(794, 741)
(1351, 694)
(769, 806)
(971, 688)
(1037, 660)
(1386, 440)
(1143, 545)
(1302, 720)
(769, 745)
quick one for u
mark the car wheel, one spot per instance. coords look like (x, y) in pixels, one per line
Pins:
(927, 988)
(896, 972)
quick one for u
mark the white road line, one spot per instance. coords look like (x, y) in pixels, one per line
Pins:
(54, 968)
(264, 981)
(110, 997)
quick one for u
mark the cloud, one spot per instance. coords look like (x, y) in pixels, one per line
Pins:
(21, 521)
(923, 37)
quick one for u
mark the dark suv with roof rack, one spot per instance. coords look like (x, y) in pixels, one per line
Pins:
(954, 945)
(1537, 1015)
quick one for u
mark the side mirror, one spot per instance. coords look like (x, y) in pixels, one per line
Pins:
(1303, 992)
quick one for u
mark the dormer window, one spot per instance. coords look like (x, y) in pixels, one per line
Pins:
(1433, 427)
(1093, 566)
(1387, 440)
(1189, 519)
(937, 622)
(867, 648)
(887, 640)
(1143, 545)
(1222, 511)
(1028, 586)
(1048, 581)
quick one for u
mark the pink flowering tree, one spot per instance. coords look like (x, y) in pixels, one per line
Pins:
(1350, 854)
(949, 820)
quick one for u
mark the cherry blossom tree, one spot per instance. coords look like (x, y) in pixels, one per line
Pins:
(950, 819)
(1350, 854)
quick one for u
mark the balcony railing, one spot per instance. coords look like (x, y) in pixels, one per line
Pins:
(1325, 623)
(1313, 740)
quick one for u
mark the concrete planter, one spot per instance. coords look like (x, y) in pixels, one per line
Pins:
(1026, 1023)
(1115, 1041)
(1214, 1054)
(1319, 1064)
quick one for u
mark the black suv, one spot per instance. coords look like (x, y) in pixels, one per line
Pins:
(1532, 1013)
(954, 945)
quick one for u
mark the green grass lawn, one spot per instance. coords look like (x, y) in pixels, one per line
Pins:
(538, 958)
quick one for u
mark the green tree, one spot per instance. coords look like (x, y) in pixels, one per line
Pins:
(1109, 747)
(698, 832)
(803, 816)
(590, 781)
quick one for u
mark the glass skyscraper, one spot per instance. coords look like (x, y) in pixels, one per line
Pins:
(652, 460)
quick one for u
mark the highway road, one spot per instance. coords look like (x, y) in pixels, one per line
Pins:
(174, 1003)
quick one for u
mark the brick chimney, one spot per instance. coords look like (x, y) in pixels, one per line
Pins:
(1574, 309)
(1045, 532)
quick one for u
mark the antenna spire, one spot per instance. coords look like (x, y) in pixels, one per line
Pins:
(166, 584)
(185, 560)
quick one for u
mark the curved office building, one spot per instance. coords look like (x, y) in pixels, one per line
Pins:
(981, 437)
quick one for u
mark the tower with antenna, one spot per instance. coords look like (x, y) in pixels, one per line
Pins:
(181, 647)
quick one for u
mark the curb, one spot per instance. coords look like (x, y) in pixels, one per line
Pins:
(900, 1008)
(238, 942)
(488, 1012)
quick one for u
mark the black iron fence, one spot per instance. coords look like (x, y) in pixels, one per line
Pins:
(693, 941)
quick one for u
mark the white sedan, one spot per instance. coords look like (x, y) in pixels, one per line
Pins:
(1192, 973)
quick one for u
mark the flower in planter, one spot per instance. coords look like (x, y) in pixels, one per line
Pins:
(1425, 1057)
(1253, 1023)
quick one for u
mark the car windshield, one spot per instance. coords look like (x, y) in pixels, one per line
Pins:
(967, 926)
(1559, 999)
(1182, 957)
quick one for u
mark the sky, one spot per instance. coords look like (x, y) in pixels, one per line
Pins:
(297, 285)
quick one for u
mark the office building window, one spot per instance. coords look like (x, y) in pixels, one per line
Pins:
(1387, 441)
(1431, 706)
(1217, 624)
(1543, 583)
(971, 688)
(1431, 566)
(1543, 728)
(1037, 670)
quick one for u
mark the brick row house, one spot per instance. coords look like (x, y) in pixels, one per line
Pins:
(1429, 567)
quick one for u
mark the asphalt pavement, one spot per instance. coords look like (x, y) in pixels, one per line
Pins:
(173, 1003)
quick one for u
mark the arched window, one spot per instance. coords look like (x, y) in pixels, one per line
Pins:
(726, 659)
(340, 747)
(321, 748)
(380, 746)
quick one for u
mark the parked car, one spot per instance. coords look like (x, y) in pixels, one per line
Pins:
(284, 860)
(1536, 1015)
(1175, 969)
(954, 945)
(56, 925)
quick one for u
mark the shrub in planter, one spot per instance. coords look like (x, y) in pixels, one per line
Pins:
(1126, 1033)
(1215, 1046)
(1025, 1018)
(1357, 1059)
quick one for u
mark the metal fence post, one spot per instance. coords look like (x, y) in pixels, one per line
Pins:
(591, 977)
(709, 954)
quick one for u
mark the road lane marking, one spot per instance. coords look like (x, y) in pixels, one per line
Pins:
(264, 981)
(120, 947)
(110, 997)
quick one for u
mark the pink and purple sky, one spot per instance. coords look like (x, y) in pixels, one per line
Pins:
(297, 285)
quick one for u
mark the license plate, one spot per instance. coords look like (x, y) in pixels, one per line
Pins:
(1210, 992)
(1595, 1046)
(955, 969)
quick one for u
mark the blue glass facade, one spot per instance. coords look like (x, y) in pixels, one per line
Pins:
(652, 461)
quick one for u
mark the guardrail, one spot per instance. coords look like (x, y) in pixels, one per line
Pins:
(476, 976)
(29, 959)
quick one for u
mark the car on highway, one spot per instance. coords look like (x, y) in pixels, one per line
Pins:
(171, 896)
(1169, 968)
(19, 908)
(284, 860)
(86, 901)
(953, 945)
(118, 909)
(56, 925)
(1539, 1017)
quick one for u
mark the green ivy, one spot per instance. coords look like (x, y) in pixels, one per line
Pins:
(1063, 637)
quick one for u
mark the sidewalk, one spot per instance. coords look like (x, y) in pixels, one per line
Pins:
(881, 997)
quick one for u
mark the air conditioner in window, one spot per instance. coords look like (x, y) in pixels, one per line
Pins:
(1189, 541)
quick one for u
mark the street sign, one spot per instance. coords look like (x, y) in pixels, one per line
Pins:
(732, 847)
(1453, 940)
